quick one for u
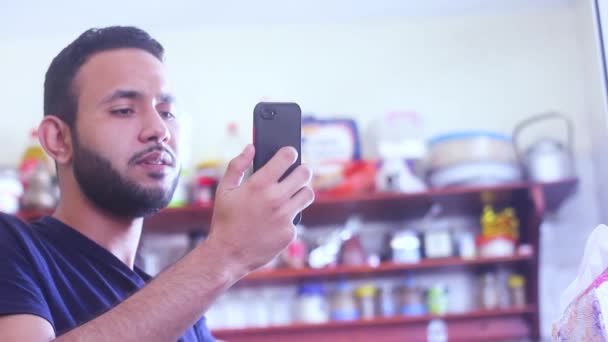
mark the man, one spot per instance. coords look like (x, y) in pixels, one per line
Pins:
(111, 127)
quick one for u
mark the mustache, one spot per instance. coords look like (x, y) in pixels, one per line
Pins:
(137, 156)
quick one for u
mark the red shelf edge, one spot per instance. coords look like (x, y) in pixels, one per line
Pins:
(283, 274)
(476, 314)
(201, 211)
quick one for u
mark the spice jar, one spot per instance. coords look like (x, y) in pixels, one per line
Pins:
(366, 298)
(411, 299)
(343, 306)
(438, 299)
(517, 290)
(489, 291)
(311, 306)
(387, 301)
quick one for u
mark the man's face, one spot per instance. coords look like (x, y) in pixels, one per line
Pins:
(125, 139)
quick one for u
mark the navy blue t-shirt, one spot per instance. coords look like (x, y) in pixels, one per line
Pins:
(51, 270)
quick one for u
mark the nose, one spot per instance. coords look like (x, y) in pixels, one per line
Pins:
(154, 128)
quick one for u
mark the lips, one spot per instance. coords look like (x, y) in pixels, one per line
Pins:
(156, 158)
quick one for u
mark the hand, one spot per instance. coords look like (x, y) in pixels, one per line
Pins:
(253, 220)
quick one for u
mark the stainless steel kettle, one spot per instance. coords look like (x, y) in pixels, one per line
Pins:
(547, 160)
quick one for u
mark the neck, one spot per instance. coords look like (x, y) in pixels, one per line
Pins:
(119, 236)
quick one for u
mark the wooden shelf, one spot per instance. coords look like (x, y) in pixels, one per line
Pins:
(388, 268)
(376, 206)
(499, 323)
(385, 321)
(531, 200)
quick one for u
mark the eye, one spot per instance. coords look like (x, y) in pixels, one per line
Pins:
(122, 111)
(166, 115)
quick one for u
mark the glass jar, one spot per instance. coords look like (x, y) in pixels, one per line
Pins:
(489, 292)
(311, 305)
(411, 299)
(280, 306)
(517, 290)
(387, 301)
(438, 299)
(366, 298)
(343, 304)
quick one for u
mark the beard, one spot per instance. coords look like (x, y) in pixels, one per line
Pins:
(112, 192)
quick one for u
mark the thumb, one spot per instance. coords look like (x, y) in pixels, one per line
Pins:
(236, 169)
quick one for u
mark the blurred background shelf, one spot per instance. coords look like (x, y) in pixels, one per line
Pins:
(531, 201)
(376, 206)
(476, 325)
(386, 268)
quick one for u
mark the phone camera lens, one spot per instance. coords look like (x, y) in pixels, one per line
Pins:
(268, 113)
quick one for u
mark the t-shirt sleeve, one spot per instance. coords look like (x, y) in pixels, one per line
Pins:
(20, 292)
(202, 332)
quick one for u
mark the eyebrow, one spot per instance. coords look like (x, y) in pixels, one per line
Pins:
(167, 98)
(133, 95)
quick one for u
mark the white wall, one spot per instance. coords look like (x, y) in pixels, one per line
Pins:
(460, 72)
(595, 91)
(563, 236)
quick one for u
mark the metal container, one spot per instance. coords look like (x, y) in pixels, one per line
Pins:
(472, 158)
(548, 159)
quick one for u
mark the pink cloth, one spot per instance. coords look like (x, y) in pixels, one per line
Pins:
(585, 318)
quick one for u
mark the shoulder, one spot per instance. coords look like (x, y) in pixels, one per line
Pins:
(12, 225)
(16, 233)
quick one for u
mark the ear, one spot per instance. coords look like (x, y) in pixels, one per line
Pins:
(55, 138)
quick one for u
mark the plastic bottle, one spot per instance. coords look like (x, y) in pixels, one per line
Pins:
(343, 305)
(489, 291)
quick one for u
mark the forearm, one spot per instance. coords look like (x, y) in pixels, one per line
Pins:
(165, 308)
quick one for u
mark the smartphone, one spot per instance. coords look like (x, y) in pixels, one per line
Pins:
(275, 125)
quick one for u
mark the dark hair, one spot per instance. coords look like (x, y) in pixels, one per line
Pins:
(60, 98)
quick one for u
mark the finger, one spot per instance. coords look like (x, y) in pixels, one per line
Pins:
(276, 166)
(298, 179)
(300, 201)
(236, 169)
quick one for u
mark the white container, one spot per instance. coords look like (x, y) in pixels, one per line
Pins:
(466, 246)
(235, 312)
(470, 147)
(406, 247)
(475, 174)
(255, 306)
(280, 306)
(311, 304)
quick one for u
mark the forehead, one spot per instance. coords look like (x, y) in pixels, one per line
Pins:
(106, 71)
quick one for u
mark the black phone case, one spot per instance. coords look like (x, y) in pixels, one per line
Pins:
(271, 132)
